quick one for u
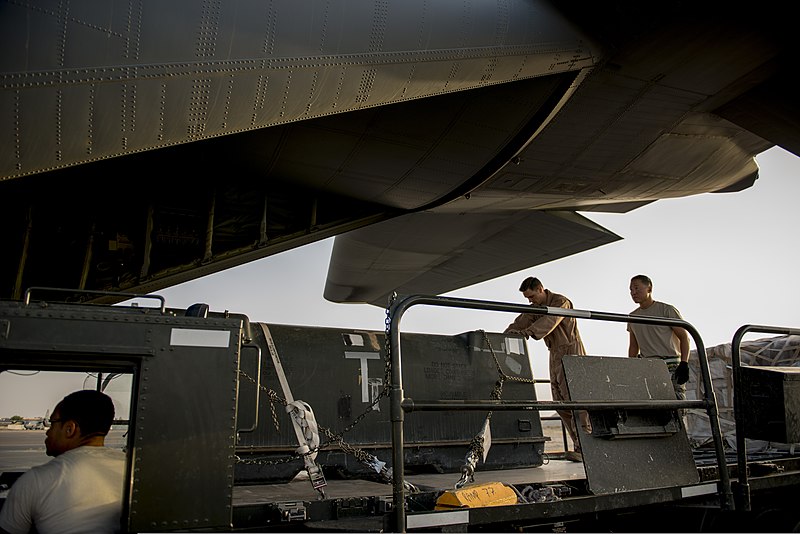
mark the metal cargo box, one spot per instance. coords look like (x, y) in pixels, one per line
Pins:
(771, 403)
(339, 372)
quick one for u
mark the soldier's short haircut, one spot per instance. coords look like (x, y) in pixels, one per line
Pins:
(92, 410)
(643, 279)
(530, 283)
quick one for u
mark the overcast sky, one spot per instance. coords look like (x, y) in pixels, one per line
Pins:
(723, 260)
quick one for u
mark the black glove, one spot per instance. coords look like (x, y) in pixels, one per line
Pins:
(682, 373)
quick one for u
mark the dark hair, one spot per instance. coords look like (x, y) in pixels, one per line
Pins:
(530, 283)
(643, 279)
(92, 410)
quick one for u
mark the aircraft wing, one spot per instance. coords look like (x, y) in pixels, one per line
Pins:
(145, 147)
(433, 253)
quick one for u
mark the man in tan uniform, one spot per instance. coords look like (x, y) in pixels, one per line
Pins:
(561, 336)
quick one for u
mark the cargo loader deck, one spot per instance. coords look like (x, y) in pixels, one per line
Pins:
(222, 435)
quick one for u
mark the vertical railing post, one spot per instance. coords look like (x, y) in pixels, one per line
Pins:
(738, 407)
(397, 417)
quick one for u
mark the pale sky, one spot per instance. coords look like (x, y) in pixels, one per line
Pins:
(723, 260)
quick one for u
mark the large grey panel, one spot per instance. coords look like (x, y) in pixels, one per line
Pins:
(185, 411)
(649, 458)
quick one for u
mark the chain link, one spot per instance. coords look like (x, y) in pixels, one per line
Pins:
(503, 376)
(475, 448)
(361, 455)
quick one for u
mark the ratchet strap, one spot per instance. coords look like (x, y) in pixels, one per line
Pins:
(305, 426)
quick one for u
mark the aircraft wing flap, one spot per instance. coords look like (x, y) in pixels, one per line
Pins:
(433, 253)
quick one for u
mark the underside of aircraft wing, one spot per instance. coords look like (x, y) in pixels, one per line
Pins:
(144, 147)
(432, 253)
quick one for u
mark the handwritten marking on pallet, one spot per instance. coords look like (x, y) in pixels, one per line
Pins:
(477, 496)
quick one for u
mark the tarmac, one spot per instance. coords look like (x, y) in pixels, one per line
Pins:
(22, 449)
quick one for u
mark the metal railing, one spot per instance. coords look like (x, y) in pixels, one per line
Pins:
(738, 408)
(30, 290)
(399, 404)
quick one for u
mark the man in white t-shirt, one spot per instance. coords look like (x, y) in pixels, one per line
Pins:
(669, 343)
(81, 488)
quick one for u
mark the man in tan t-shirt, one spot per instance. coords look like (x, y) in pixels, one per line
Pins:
(670, 343)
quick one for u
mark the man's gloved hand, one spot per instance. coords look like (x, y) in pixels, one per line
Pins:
(682, 373)
(515, 331)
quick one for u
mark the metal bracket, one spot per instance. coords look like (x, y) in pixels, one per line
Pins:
(385, 505)
(292, 511)
(625, 424)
